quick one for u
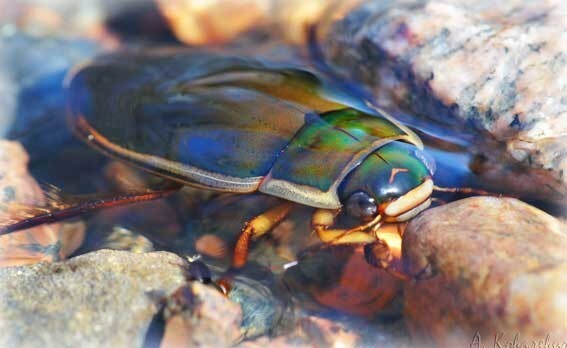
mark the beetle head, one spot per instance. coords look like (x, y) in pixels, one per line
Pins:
(394, 181)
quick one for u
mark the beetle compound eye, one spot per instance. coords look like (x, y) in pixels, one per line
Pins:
(361, 205)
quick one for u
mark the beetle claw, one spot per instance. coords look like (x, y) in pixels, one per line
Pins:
(378, 255)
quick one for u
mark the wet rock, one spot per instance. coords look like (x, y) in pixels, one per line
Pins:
(310, 331)
(19, 190)
(500, 67)
(489, 266)
(200, 316)
(33, 104)
(33, 69)
(341, 279)
(121, 238)
(104, 298)
(336, 331)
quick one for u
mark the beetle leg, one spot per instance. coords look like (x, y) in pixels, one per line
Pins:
(376, 251)
(255, 228)
(379, 255)
(323, 219)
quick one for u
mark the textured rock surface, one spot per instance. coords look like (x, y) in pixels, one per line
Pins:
(492, 265)
(105, 298)
(51, 242)
(499, 66)
(200, 317)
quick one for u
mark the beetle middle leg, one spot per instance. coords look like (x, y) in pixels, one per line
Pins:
(376, 251)
(252, 229)
(257, 227)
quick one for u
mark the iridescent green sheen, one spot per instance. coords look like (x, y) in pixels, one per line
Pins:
(362, 124)
(324, 147)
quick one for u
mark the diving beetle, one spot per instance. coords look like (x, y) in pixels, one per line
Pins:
(242, 125)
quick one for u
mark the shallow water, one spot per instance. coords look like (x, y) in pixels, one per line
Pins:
(179, 223)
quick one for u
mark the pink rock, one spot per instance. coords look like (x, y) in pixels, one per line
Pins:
(18, 189)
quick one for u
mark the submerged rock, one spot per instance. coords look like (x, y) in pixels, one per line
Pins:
(105, 298)
(18, 191)
(310, 331)
(501, 67)
(341, 279)
(199, 316)
(263, 312)
(32, 71)
(488, 267)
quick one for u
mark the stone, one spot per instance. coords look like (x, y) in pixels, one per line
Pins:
(310, 331)
(196, 311)
(341, 279)
(486, 267)
(104, 298)
(335, 331)
(34, 68)
(500, 67)
(263, 311)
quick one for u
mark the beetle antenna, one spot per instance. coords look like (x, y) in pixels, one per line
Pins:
(78, 205)
(438, 200)
(466, 190)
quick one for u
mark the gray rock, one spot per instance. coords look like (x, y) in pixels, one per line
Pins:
(490, 267)
(105, 298)
(501, 67)
(33, 69)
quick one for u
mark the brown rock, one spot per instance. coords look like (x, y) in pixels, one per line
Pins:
(362, 289)
(489, 266)
(341, 279)
(200, 316)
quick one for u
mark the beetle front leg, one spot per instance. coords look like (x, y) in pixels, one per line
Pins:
(376, 251)
(379, 255)
(324, 219)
